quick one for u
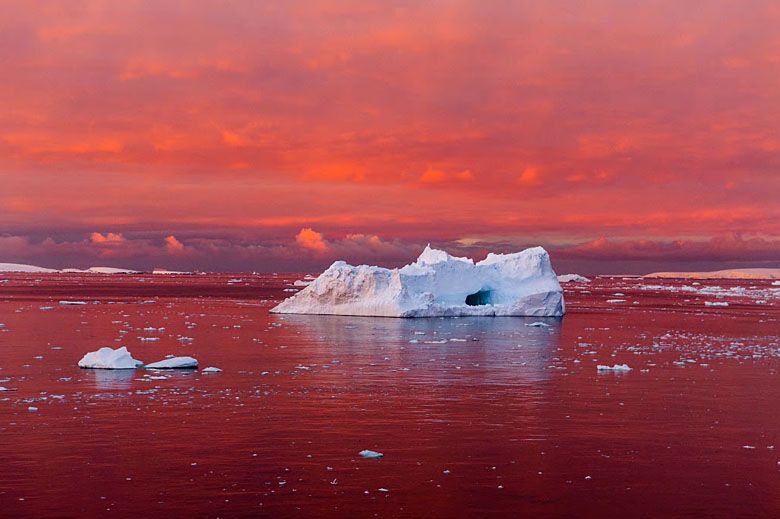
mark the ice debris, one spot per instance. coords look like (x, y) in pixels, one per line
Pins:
(174, 363)
(616, 367)
(371, 454)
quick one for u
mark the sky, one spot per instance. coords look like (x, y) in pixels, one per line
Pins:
(623, 136)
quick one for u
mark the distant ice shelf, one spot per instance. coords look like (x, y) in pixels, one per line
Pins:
(436, 285)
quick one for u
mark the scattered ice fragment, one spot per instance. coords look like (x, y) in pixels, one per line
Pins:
(73, 302)
(371, 454)
(107, 358)
(212, 369)
(32, 409)
(616, 300)
(539, 324)
(174, 363)
(716, 303)
(616, 367)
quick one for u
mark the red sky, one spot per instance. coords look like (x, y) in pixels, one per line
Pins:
(623, 136)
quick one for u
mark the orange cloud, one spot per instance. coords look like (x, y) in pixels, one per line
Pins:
(311, 239)
(433, 176)
(173, 245)
(529, 177)
(109, 238)
(437, 176)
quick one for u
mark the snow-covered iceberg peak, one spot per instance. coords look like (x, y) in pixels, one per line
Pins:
(107, 358)
(437, 284)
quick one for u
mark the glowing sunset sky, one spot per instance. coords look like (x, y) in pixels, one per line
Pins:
(623, 136)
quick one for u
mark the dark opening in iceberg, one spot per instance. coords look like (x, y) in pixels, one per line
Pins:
(483, 297)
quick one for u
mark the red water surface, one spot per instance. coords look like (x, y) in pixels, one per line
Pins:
(476, 417)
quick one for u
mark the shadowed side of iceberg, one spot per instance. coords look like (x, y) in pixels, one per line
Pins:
(436, 285)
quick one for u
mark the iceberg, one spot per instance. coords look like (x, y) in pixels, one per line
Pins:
(573, 278)
(174, 363)
(436, 285)
(107, 358)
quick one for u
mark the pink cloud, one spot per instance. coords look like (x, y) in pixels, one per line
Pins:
(311, 239)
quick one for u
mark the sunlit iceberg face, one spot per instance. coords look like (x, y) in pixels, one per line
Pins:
(437, 284)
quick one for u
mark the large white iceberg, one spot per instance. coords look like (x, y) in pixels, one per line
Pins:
(106, 358)
(437, 284)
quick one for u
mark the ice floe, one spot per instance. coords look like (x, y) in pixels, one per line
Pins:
(371, 454)
(616, 367)
(174, 363)
(573, 278)
(437, 284)
(107, 358)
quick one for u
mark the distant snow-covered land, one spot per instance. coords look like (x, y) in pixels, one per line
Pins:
(721, 274)
(19, 267)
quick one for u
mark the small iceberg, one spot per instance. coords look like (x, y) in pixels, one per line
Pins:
(211, 369)
(107, 358)
(174, 363)
(716, 303)
(538, 324)
(616, 367)
(436, 285)
(371, 454)
(573, 278)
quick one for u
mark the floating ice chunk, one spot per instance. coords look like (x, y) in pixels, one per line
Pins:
(437, 284)
(539, 324)
(6, 389)
(616, 300)
(174, 363)
(371, 454)
(616, 367)
(573, 278)
(73, 302)
(107, 358)
(32, 409)
(212, 369)
(715, 303)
